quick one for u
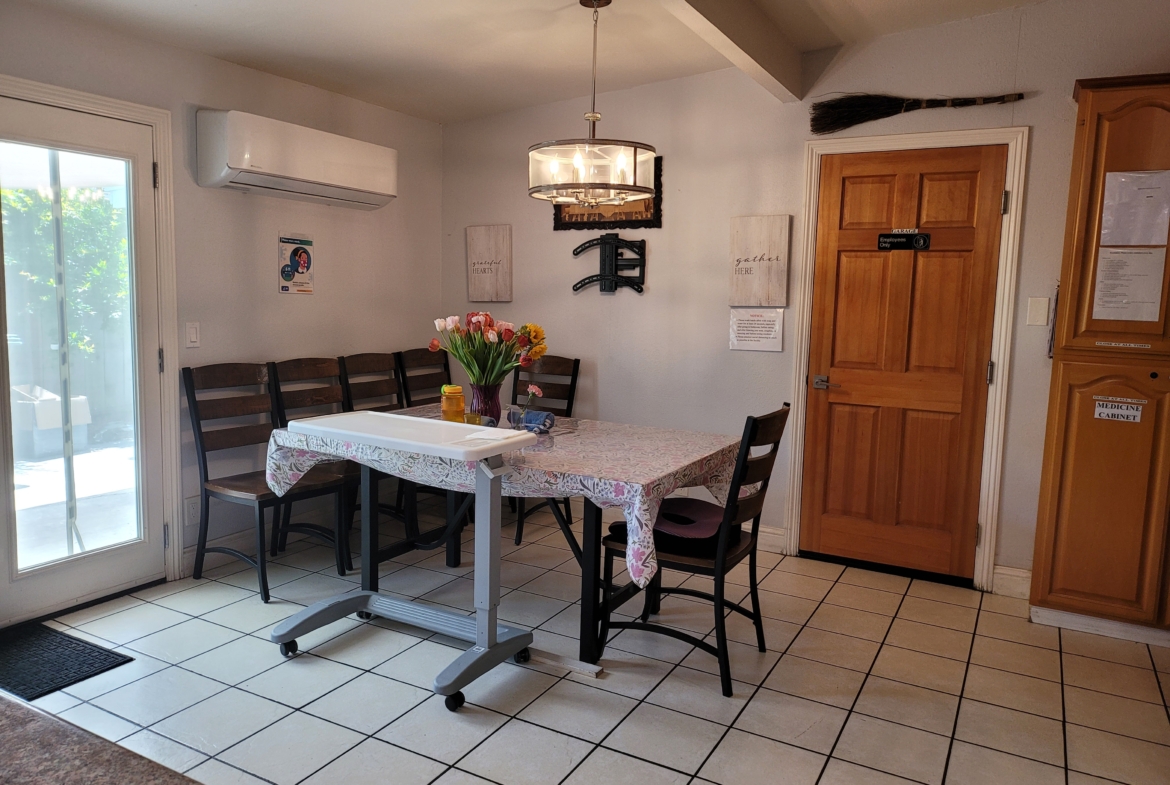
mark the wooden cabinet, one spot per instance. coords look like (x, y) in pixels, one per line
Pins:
(1103, 503)
(1102, 535)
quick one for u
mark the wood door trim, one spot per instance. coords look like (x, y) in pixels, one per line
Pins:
(1016, 139)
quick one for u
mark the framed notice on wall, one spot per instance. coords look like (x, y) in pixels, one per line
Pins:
(489, 264)
(759, 260)
(295, 256)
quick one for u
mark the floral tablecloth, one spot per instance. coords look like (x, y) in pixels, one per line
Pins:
(613, 465)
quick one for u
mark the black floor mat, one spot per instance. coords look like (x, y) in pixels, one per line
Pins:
(36, 660)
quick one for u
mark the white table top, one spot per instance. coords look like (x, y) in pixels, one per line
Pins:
(440, 438)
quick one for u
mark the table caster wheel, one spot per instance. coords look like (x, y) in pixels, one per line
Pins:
(288, 649)
(454, 702)
(522, 656)
(365, 615)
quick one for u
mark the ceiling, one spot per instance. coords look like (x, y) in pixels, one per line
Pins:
(449, 60)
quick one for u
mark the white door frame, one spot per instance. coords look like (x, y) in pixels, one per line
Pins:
(1016, 139)
(159, 121)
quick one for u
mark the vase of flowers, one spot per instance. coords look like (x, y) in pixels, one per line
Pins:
(488, 351)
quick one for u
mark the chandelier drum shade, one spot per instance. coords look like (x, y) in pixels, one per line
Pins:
(591, 171)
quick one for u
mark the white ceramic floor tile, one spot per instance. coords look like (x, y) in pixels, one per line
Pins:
(817, 569)
(528, 610)
(547, 756)
(373, 762)
(895, 749)
(252, 614)
(700, 694)
(213, 772)
(159, 695)
(457, 777)
(94, 612)
(678, 741)
(236, 660)
(578, 710)
(120, 676)
(203, 599)
(1116, 757)
(220, 721)
(815, 681)
(445, 735)
(508, 688)
(278, 574)
(1011, 731)
(420, 664)
(56, 702)
(748, 663)
(613, 768)
(162, 750)
(300, 680)
(183, 641)
(366, 646)
(136, 622)
(165, 588)
(744, 759)
(99, 722)
(907, 704)
(312, 588)
(413, 581)
(368, 703)
(840, 772)
(292, 749)
(793, 720)
(971, 765)
(625, 673)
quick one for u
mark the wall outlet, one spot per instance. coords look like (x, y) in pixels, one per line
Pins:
(191, 511)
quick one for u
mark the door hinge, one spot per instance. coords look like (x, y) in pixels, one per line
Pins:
(990, 371)
(166, 536)
(1007, 202)
(155, 168)
(160, 360)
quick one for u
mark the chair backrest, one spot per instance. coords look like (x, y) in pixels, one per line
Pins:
(293, 398)
(240, 391)
(557, 379)
(753, 470)
(421, 374)
(370, 382)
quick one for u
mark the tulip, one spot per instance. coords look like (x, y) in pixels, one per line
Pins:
(502, 326)
(506, 333)
(475, 326)
(435, 345)
(452, 322)
(525, 361)
(522, 340)
(492, 336)
(441, 324)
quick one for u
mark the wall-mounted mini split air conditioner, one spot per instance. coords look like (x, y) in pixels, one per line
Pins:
(270, 157)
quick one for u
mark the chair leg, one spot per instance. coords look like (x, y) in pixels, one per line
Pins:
(758, 618)
(410, 509)
(721, 637)
(261, 567)
(285, 519)
(274, 538)
(568, 509)
(201, 543)
(606, 590)
(512, 503)
(653, 602)
(519, 520)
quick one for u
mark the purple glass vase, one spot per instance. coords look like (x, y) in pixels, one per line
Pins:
(485, 400)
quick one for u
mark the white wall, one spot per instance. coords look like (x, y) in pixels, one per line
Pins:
(731, 149)
(376, 273)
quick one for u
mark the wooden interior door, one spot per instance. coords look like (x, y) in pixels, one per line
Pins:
(893, 449)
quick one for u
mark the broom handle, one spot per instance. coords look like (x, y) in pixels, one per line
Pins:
(934, 103)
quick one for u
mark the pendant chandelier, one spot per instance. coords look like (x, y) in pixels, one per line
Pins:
(591, 171)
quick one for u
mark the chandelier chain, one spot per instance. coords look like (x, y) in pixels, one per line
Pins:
(592, 116)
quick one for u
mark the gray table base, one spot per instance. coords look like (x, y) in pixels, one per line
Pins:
(494, 642)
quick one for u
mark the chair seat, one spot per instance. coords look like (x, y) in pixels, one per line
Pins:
(253, 486)
(688, 518)
(684, 553)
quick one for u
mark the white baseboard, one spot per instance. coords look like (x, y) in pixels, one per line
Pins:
(1011, 582)
(1096, 626)
(772, 539)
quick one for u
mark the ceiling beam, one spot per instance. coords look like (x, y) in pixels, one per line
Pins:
(742, 33)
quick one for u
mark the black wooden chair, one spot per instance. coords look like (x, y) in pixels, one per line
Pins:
(692, 535)
(557, 379)
(422, 373)
(369, 382)
(250, 416)
(310, 387)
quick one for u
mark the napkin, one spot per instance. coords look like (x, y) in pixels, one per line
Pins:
(537, 422)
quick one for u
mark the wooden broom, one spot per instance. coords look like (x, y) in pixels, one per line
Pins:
(837, 114)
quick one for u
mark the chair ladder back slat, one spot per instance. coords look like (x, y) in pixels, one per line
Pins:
(212, 377)
(758, 468)
(307, 368)
(422, 388)
(541, 374)
(237, 436)
(234, 406)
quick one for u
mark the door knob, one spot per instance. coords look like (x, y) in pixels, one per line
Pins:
(823, 383)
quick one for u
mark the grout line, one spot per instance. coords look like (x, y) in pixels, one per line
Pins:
(962, 690)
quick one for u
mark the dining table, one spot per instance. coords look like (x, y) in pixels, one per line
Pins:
(609, 464)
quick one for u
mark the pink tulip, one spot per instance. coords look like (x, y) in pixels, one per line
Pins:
(452, 322)
(492, 336)
(440, 324)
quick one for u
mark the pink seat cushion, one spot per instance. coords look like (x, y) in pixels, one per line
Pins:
(689, 518)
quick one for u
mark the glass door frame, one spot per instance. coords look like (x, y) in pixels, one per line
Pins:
(159, 122)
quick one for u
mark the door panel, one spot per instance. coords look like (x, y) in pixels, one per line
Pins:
(893, 454)
(80, 408)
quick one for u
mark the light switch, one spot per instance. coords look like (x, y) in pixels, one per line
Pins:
(1038, 311)
(192, 335)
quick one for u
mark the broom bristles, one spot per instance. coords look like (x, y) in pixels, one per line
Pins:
(846, 111)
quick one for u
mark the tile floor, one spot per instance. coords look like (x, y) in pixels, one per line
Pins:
(869, 679)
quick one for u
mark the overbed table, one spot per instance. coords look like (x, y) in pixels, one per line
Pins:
(609, 464)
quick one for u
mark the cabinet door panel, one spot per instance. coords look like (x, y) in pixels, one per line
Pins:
(1103, 506)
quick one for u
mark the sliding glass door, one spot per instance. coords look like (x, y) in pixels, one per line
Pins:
(80, 309)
